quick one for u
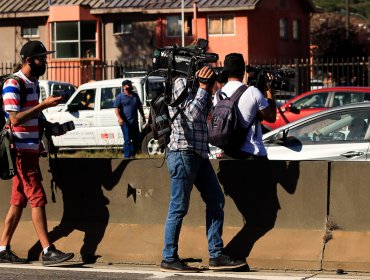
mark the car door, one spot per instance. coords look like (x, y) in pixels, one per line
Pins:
(80, 110)
(323, 138)
(109, 132)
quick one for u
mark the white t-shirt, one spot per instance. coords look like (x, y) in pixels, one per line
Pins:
(249, 103)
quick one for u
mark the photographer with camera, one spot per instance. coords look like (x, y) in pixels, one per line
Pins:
(252, 107)
(188, 165)
(25, 121)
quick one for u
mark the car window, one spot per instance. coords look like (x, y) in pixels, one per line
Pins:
(347, 97)
(344, 126)
(65, 91)
(85, 99)
(316, 100)
(108, 96)
(154, 89)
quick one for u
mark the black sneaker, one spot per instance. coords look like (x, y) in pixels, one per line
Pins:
(224, 262)
(54, 256)
(177, 266)
(7, 256)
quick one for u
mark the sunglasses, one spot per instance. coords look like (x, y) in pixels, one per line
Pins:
(40, 58)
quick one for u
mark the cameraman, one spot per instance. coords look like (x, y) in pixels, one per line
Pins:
(252, 106)
(188, 164)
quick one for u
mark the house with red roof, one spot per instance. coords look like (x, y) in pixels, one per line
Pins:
(89, 32)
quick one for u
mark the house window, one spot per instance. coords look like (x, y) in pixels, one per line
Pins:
(30, 31)
(74, 39)
(221, 25)
(283, 28)
(174, 26)
(122, 27)
(296, 30)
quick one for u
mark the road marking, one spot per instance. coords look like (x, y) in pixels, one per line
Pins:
(157, 274)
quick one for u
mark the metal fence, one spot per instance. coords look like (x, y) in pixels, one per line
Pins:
(307, 73)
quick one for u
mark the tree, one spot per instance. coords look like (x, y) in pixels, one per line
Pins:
(328, 33)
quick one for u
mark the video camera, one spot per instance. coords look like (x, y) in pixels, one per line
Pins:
(178, 61)
(262, 77)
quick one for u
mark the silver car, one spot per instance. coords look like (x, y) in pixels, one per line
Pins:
(339, 134)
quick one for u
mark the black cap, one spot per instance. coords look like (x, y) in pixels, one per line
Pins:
(126, 82)
(34, 48)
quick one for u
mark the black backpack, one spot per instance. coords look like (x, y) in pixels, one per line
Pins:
(224, 130)
(159, 118)
(7, 153)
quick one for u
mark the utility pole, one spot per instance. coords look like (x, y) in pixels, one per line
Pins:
(183, 24)
(195, 22)
(347, 19)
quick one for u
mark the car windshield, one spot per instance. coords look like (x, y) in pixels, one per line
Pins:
(316, 100)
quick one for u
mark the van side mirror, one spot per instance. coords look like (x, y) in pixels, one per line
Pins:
(73, 107)
(293, 109)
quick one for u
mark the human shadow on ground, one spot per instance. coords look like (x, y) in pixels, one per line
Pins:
(81, 182)
(252, 184)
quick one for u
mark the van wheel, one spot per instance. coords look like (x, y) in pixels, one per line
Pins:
(150, 145)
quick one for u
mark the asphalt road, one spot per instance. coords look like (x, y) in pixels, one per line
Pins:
(83, 272)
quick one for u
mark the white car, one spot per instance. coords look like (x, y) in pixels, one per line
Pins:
(337, 134)
(96, 125)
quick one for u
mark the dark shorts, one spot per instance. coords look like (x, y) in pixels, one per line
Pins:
(27, 183)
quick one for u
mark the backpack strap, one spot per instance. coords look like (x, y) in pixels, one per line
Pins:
(220, 95)
(9, 153)
(236, 95)
(22, 88)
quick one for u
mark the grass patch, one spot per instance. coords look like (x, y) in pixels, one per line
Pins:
(101, 154)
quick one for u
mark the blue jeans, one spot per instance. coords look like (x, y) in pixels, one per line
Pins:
(131, 137)
(187, 168)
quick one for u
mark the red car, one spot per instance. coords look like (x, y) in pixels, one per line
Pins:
(317, 100)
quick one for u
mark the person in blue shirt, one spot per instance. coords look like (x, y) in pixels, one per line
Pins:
(126, 105)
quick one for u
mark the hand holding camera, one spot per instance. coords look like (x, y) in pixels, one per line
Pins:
(57, 129)
(205, 78)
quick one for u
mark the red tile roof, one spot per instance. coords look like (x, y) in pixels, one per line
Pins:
(31, 6)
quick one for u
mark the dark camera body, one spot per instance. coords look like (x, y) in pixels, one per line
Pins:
(57, 129)
(276, 79)
(184, 62)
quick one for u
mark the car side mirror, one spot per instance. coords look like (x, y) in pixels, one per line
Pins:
(73, 107)
(293, 109)
(278, 137)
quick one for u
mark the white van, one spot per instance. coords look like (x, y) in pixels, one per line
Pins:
(96, 126)
(50, 87)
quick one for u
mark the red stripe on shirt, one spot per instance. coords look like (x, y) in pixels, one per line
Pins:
(25, 128)
(11, 102)
(31, 103)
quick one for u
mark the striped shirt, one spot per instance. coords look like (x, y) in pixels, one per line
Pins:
(189, 129)
(26, 135)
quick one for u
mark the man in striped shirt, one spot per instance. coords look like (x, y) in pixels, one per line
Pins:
(188, 164)
(26, 186)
